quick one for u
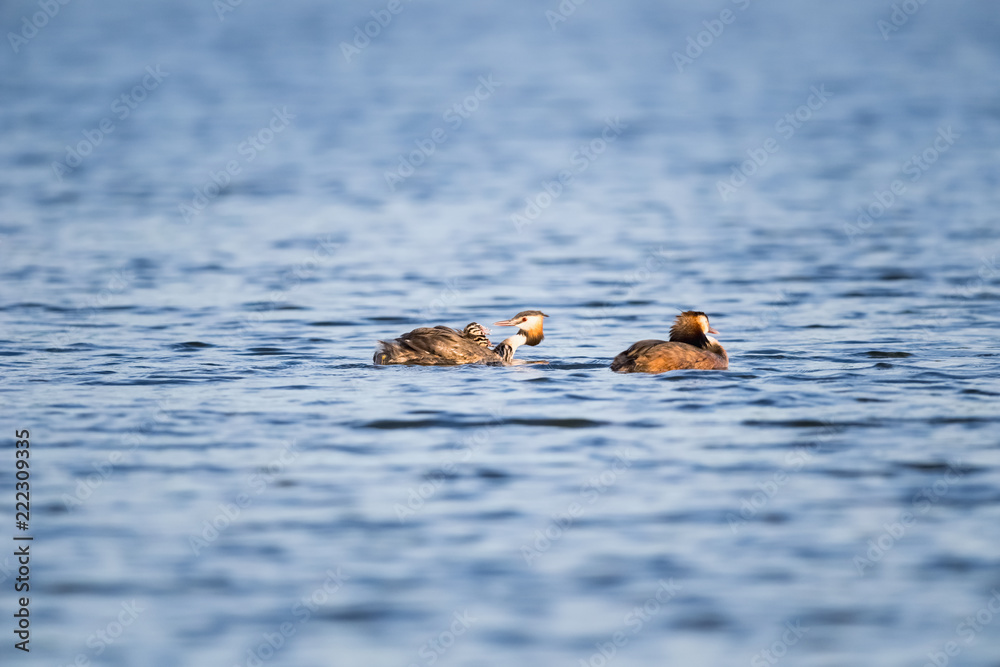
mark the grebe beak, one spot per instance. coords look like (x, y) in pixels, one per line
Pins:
(507, 323)
(712, 330)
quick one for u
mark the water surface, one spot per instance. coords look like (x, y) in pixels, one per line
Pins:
(189, 316)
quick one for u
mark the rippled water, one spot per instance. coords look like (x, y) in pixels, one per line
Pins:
(220, 475)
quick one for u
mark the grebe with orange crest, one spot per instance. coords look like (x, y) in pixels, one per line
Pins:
(689, 346)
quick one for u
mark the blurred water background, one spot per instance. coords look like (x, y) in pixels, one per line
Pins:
(210, 211)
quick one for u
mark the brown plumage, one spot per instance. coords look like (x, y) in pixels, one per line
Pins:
(689, 346)
(443, 346)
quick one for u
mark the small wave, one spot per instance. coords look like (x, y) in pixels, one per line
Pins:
(568, 422)
(803, 423)
(190, 345)
(880, 354)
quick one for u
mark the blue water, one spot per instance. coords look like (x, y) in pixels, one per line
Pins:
(208, 217)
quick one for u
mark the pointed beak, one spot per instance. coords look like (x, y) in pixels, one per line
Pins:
(712, 330)
(505, 323)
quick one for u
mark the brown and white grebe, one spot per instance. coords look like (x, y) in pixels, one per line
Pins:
(689, 346)
(444, 346)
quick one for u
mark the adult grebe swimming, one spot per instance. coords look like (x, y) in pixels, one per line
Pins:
(689, 346)
(444, 346)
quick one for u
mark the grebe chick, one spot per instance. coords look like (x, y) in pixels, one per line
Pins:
(444, 346)
(477, 333)
(689, 346)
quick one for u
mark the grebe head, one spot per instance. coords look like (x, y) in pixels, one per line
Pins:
(529, 323)
(692, 327)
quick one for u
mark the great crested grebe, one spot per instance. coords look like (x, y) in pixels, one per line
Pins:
(444, 346)
(689, 346)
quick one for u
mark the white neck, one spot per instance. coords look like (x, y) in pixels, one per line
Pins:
(514, 342)
(517, 340)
